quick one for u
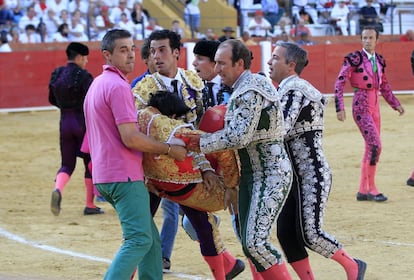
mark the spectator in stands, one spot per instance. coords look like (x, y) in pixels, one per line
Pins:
(58, 5)
(4, 45)
(126, 24)
(103, 23)
(6, 16)
(408, 36)
(77, 28)
(116, 12)
(368, 16)
(176, 27)
(17, 12)
(26, 3)
(140, 18)
(62, 33)
(81, 5)
(192, 16)
(284, 36)
(302, 5)
(304, 39)
(340, 18)
(272, 12)
(299, 28)
(29, 18)
(51, 22)
(258, 25)
(305, 16)
(41, 8)
(245, 38)
(30, 35)
(210, 35)
(64, 17)
(228, 34)
(152, 26)
(41, 29)
(14, 35)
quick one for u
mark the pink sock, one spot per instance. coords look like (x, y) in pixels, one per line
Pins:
(276, 272)
(412, 175)
(228, 260)
(62, 179)
(303, 269)
(372, 170)
(256, 275)
(348, 263)
(89, 193)
(363, 183)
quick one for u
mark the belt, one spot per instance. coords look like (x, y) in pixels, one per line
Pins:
(182, 191)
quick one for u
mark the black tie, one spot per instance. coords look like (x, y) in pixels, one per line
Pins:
(174, 83)
(210, 96)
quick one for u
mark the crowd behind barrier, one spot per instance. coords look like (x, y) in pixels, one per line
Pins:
(36, 21)
(25, 73)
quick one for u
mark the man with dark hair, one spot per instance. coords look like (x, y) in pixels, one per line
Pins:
(300, 222)
(145, 56)
(117, 148)
(165, 50)
(254, 127)
(365, 70)
(67, 90)
(214, 92)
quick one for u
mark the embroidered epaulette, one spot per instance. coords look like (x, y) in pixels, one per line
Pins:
(193, 80)
(381, 60)
(354, 58)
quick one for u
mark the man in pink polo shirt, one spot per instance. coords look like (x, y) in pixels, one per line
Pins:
(116, 148)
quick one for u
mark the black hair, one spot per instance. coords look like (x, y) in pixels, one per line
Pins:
(145, 49)
(175, 39)
(168, 103)
(239, 51)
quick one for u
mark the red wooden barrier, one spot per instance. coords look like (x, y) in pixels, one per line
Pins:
(24, 75)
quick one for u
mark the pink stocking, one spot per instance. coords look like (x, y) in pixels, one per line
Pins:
(256, 275)
(89, 193)
(372, 170)
(303, 269)
(216, 265)
(62, 179)
(276, 272)
(363, 184)
(348, 263)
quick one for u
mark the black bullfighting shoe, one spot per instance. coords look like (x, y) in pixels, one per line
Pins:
(377, 198)
(236, 270)
(361, 196)
(362, 267)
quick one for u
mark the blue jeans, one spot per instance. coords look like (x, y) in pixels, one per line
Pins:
(141, 243)
(170, 212)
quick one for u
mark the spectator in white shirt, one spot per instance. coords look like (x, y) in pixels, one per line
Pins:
(30, 35)
(81, 5)
(57, 5)
(62, 34)
(115, 14)
(77, 28)
(258, 25)
(51, 22)
(340, 14)
(152, 26)
(29, 18)
(126, 24)
(103, 23)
